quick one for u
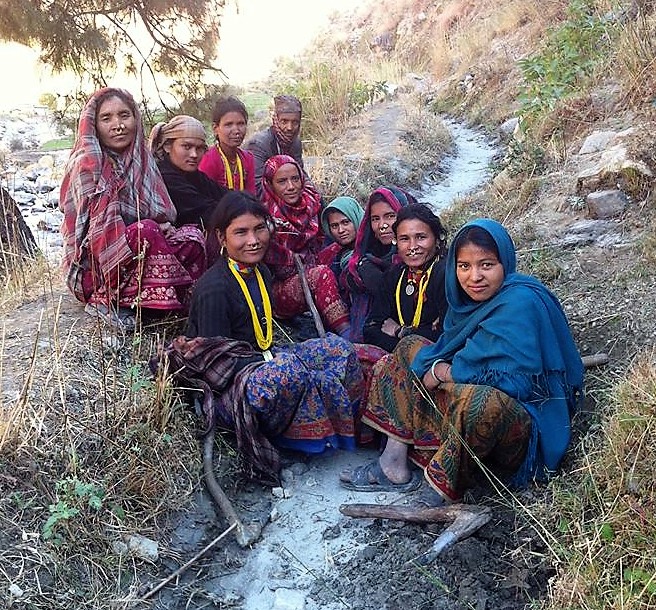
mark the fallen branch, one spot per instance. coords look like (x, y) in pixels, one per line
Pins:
(245, 535)
(186, 566)
(308, 296)
(466, 518)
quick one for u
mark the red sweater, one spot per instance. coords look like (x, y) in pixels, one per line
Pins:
(212, 165)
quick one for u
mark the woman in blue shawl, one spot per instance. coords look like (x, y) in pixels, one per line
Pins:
(498, 387)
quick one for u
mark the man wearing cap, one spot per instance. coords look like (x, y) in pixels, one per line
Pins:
(282, 138)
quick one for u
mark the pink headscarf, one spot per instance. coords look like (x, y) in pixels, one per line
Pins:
(397, 199)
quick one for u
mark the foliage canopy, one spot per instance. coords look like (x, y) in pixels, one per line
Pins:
(94, 38)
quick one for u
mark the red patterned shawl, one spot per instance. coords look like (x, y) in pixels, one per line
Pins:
(297, 226)
(102, 193)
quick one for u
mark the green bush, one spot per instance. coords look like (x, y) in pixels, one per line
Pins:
(569, 57)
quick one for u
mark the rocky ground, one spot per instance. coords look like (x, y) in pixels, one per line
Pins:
(310, 556)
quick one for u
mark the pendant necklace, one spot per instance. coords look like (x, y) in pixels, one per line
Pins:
(423, 284)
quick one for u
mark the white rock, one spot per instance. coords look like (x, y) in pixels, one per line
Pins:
(143, 548)
(288, 599)
(16, 591)
(47, 161)
(597, 141)
(507, 128)
(22, 197)
(278, 492)
(119, 547)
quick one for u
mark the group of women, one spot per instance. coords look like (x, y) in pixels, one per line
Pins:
(452, 357)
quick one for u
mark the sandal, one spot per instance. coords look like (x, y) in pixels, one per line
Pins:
(371, 477)
(123, 318)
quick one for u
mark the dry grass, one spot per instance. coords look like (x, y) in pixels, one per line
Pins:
(636, 54)
(486, 44)
(93, 445)
(92, 450)
(604, 508)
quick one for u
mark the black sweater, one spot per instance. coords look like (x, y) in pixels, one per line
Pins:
(219, 309)
(194, 195)
(384, 306)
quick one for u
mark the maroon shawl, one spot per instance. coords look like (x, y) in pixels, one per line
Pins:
(208, 363)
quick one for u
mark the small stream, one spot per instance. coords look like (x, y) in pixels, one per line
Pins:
(466, 169)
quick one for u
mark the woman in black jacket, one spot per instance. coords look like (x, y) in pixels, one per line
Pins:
(411, 298)
(178, 146)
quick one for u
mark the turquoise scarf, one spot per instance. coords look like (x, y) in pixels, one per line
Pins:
(352, 210)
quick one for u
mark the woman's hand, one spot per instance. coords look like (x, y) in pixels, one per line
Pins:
(429, 382)
(437, 375)
(390, 327)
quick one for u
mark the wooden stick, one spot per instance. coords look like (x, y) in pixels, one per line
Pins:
(308, 296)
(411, 514)
(245, 536)
(186, 566)
(466, 518)
(595, 360)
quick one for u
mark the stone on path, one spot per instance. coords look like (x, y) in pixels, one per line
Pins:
(288, 599)
(606, 204)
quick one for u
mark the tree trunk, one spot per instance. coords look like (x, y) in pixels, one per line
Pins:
(16, 240)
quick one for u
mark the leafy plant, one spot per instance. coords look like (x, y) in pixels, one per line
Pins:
(59, 512)
(74, 497)
(570, 55)
(523, 157)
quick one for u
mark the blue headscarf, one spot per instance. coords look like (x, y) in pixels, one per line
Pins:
(519, 342)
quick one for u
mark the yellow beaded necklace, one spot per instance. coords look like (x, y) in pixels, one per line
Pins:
(228, 170)
(263, 342)
(423, 284)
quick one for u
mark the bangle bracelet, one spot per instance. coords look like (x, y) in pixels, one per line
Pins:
(433, 375)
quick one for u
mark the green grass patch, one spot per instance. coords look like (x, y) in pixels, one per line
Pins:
(255, 101)
(57, 144)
